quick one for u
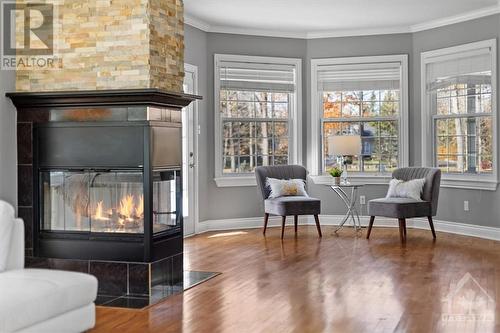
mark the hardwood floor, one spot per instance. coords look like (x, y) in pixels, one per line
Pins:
(332, 284)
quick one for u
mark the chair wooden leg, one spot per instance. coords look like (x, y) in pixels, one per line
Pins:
(402, 222)
(296, 222)
(283, 220)
(431, 223)
(370, 226)
(404, 228)
(266, 219)
(316, 218)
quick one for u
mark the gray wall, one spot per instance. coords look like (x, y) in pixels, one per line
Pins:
(239, 202)
(8, 155)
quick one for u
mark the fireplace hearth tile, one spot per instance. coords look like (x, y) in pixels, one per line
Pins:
(162, 278)
(81, 266)
(161, 272)
(24, 142)
(129, 302)
(158, 292)
(194, 278)
(102, 300)
(25, 185)
(177, 273)
(112, 277)
(36, 115)
(138, 276)
(36, 262)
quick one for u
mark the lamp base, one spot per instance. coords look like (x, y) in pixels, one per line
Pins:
(344, 179)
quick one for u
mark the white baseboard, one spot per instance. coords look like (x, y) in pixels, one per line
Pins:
(418, 223)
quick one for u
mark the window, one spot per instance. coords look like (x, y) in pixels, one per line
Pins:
(257, 118)
(459, 116)
(361, 96)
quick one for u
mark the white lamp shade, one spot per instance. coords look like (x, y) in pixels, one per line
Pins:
(344, 145)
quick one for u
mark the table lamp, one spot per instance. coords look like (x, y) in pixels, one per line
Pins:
(342, 146)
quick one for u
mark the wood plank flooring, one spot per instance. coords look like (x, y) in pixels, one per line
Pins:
(339, 283)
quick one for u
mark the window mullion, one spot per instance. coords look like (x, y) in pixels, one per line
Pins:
(360, 119)
(461, 115)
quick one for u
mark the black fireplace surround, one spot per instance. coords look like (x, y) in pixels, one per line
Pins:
(100, 184)
(108, 191)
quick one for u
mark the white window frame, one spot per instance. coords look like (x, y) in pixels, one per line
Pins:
(295, 118)
(314, 154)
(480, 182)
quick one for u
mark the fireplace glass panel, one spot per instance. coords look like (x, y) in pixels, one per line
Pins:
(166, 200)
(111, 201)
(116, 202)
(66, 200)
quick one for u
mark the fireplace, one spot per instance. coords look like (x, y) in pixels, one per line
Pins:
(107, 190)
(100, 185)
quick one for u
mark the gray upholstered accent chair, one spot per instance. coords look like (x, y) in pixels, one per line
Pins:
(403, 208)
(286, 206)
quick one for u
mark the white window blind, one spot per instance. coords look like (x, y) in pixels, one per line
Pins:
(253, 76)
(470, 68)
(385, 76)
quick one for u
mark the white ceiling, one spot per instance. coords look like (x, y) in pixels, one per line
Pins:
(318, 18)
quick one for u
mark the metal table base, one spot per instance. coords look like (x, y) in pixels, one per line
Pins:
(350, 203)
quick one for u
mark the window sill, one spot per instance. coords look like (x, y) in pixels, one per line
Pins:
(366, 179)
(446, 182)
(469, 183)
(232, 181)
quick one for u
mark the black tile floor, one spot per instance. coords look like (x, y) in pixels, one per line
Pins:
(159, 293)
(194, 278)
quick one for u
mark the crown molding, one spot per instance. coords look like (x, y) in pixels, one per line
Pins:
(197, 23)
(359, 32)
(204, 26)
(258, 32)
(456, 19)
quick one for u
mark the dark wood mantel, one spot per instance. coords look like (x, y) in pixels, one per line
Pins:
(89, 98)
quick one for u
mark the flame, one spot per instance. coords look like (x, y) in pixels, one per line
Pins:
(126, 212)
(99, 212)
(127, 207)
(139, 210)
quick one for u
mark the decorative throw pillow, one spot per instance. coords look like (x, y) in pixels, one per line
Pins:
(6, 226)
(411, 189)
(286, 187)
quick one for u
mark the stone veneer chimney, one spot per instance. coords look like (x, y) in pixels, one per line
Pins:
(113, 44)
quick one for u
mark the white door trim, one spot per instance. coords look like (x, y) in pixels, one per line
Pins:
(188, 68)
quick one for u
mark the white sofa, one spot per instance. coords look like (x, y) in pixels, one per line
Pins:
(42, 300)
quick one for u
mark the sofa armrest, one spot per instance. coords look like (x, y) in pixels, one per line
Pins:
(15, 259)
